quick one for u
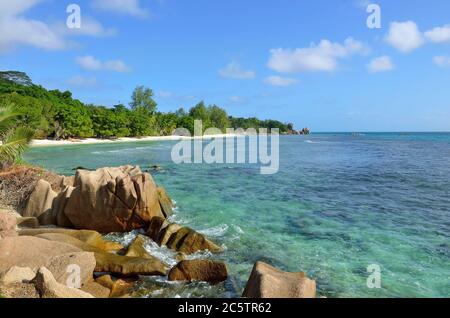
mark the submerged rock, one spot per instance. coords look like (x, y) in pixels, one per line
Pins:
(268, 282)
(176, 237)
(199, 270)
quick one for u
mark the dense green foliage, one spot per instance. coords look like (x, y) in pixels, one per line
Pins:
(56, 114)
(142, 98)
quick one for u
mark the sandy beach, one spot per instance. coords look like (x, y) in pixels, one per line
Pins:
(88, 141)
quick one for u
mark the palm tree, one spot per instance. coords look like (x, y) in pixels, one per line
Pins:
(14, 140)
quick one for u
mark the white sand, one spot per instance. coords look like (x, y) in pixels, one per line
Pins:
(87, 141)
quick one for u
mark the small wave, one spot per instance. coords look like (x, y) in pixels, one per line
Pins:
(238, 229)
(161, 252)
(123, 150)
(216, 231)
(157, 292)
(175, 218)
(199, 255)
(311, 142)
(123, 238)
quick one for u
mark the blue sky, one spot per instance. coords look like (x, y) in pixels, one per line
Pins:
(313, 63)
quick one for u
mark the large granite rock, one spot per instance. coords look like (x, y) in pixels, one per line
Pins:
(96, 290)
(137, 248)
(59, 206)
(17, 275)
(157, 224)
(48, 287)
(32, 252)
(16, 283)
(199, 270)
(8, 224)
(112, 263)
(165, 202)
(35, 252)
(61, 266)
(117, 287)
(19, 290)
(268, 282)
(92, 238)
(113, 200)
(176, 237)
(28, 222)
(40, 203)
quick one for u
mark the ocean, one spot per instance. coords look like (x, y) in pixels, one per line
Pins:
(339, 204)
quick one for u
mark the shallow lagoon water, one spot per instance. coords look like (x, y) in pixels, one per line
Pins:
(338, 204)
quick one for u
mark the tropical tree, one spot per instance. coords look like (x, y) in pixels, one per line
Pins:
(142, 98)
(13, 140)
(219, 118)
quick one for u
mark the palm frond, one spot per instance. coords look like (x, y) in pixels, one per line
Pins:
(7, 114)
(15, 142)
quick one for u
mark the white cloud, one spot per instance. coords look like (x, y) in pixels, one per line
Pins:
(89, 27)
(235, 71)
(129, 7)
(90, 63)
(405, 36)
(237, 99)
(16, 7)
(16, 30)
(315, 58)
(83, 82)
(164, 94)
(362, 3)
(280, 81)
(439, 34)
(442, 61)
(381, 64)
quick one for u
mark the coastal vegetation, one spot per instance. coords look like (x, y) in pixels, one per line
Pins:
(58, 115)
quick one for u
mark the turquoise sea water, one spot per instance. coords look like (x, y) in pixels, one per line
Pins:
(338, 204)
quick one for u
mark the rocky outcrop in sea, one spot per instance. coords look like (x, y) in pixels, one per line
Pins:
(56, 247)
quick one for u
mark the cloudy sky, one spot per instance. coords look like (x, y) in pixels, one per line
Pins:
(313, 63)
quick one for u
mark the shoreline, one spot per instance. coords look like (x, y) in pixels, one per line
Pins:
(93, 141)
